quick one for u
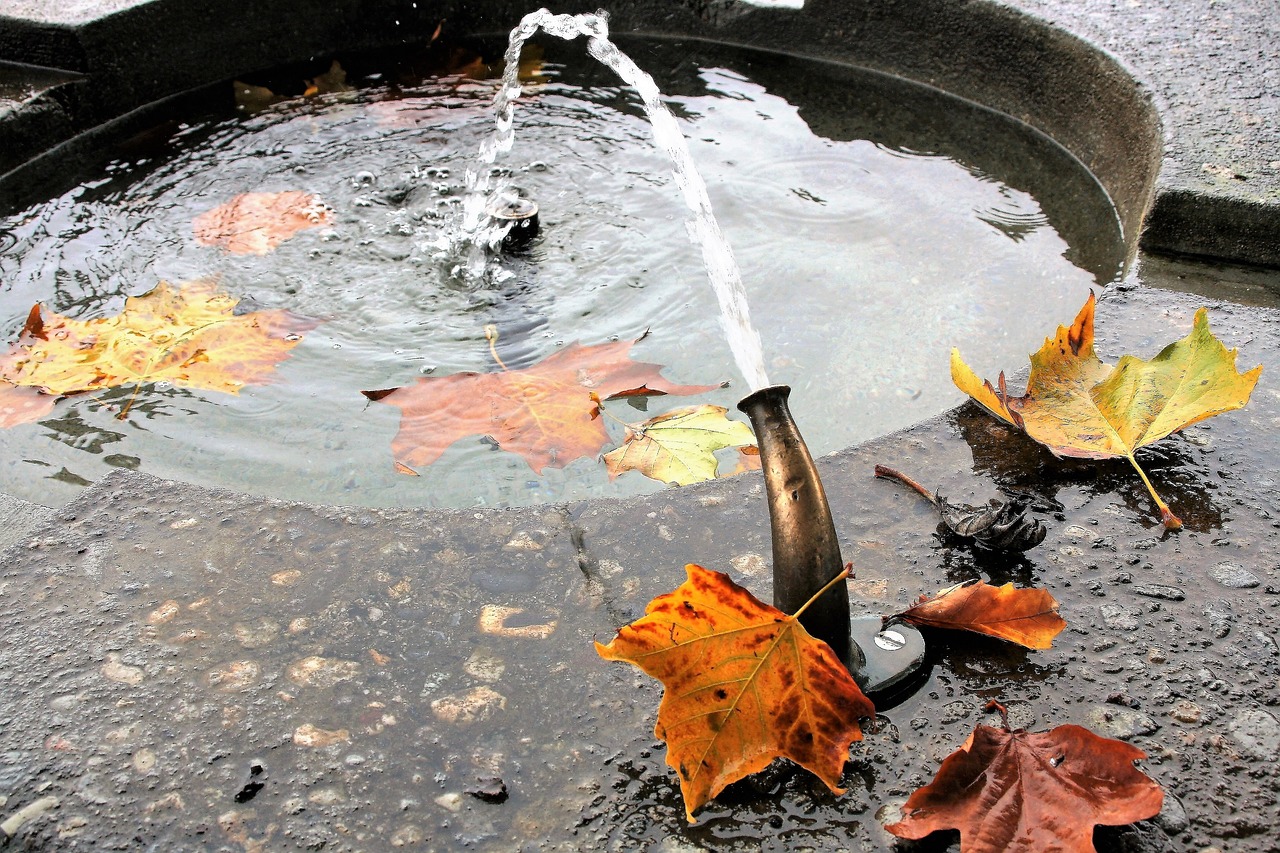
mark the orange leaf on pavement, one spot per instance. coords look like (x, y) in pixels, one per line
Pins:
(744, 684)
(1028, 617)
(1022, 792)
(256, 223)
(544, 412)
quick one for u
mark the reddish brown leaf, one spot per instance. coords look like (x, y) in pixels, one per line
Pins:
(256, 223)
(744, 684)
(1028, 617)
(543, 412)
(1022, 792)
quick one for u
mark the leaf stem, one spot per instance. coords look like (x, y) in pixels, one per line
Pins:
(993, 705)
(491, 335)
(844, 573)
(887, 473)
(1171, 521)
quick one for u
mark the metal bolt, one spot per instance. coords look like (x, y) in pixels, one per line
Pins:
(890, 640)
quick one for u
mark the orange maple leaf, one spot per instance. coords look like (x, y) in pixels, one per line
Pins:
(744, 684)
(1028, 617)
(545, 412)
(1022, 792)
(256, 223)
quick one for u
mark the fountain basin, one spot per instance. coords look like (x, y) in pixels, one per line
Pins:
(108, 682)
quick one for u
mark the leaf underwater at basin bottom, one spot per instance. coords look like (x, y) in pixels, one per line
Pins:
(679, 446)
(1078, 406)
(1021, 792)
(1028, 617)
(189, 335)
(744, 683)
(256, 223)
(544, 412)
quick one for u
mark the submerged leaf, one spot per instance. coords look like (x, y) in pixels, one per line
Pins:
(1023, 792)
(544, 412)
(1028, 617)
(256, 223)
(1078, 406)
(189, 335)
(744, 684)
(679, 446)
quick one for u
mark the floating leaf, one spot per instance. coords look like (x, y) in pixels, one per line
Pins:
(544, 412)
(679, 446)
(748, 460)
(744, 684)
(1078, 406)
(1000, 526)
(1021, 792)
(256, 223)
(333, 81)
(1028, 617)
(189, 336)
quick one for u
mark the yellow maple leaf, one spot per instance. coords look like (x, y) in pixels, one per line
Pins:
(189, 335)
(1078, 406)
(679, 446)
(744, 684)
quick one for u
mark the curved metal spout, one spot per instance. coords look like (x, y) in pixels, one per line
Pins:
(806, 554)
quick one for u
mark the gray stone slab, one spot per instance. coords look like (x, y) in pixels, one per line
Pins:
(66, 11)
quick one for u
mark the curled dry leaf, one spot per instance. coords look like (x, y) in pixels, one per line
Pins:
(1028, 617)
(1000, 526)
(1078, 406)
(544, 412)
(1023, 792)
(744, 684)
(256, 223)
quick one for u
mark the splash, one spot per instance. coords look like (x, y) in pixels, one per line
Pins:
(484, 234)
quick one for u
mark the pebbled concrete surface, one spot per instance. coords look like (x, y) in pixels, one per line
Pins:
(186, 669)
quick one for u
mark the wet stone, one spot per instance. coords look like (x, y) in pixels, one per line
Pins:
(1234, 576)
(234, 676)
(451, 801)
(1257, 734)
(1173, 816)
(1121, 723)
(484, 665)
(258, 634)
(1160, 591)
(480, 703)
(503, 580)
(116, 670)
(1186, 712)
(406, 835)
(1120, 618)
(490, 789)
(316, 671)
(313, 736)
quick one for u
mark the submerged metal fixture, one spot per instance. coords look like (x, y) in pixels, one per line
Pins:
(806, 553)
(522, 213)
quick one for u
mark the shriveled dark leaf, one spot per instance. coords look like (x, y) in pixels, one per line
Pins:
(1000, 525)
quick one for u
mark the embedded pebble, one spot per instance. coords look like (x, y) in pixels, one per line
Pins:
(309, 735)
(491, 789)
(164, 613)
(484, 665)
(297, 626)
(316, 671)
(234, 676)
(257, 635)
(451, 801)
(523, 542)
(1257, 733)
(954, 711)
(493, 620)
(1234, 576)
(185, 523)
(120, 672)
(327, 796)
(1186, 712)
(406, 835)
(1165, 593)
(749, 565)
(1121, 723)
(1173, 816)
(479, 703)
(288, 577)
(144, 760)
(1119, 618)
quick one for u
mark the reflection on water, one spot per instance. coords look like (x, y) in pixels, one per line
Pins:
(877, 225)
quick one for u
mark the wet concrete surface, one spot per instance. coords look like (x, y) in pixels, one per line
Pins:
(189, 669)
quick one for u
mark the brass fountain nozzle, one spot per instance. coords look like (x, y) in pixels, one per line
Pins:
(806, 554)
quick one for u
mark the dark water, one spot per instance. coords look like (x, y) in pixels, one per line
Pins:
(877, 225)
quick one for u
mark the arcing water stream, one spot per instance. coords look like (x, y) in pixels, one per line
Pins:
(744, 340)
